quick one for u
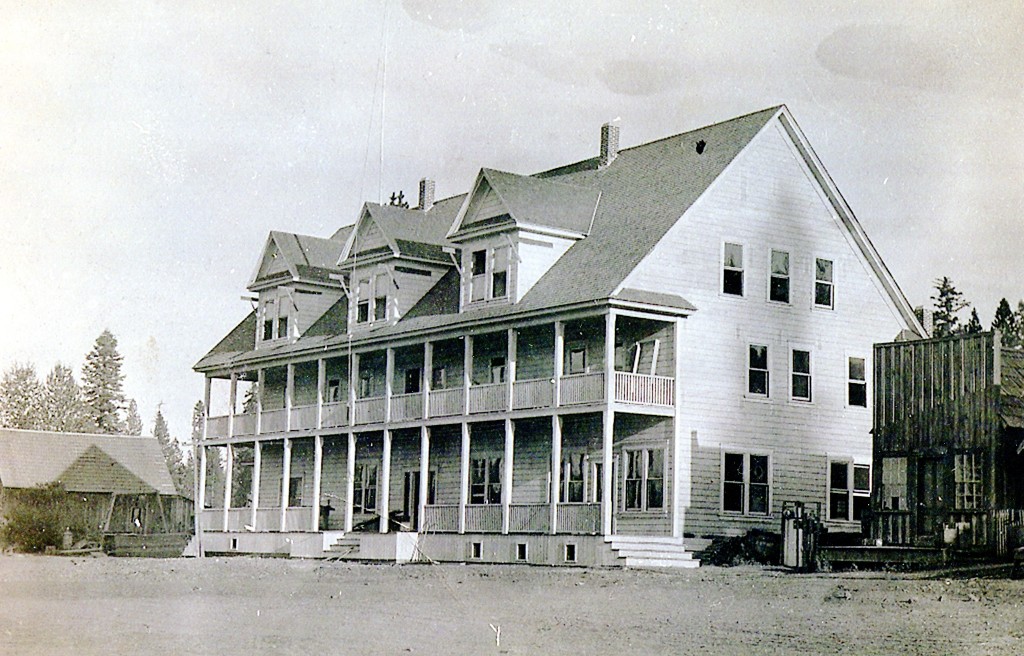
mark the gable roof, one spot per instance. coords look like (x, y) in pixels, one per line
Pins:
(531, 201)
(303, 257)
(84, 463)
(1011, 389)
(408, 232)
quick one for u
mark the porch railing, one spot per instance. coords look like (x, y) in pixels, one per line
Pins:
(298, 518)
(273, 421)
(212, 519)
(488, 398)
(446, 402)
(335, 414)
(645, 390)
(245, 423)
(217, 426)
(538, 393)
(267, 519)
(303, 417)
(406, 406)
(238, 518)
(441, 518)
(582, 388)
(370, 410)
(579, 518)
(891, 526)
(483, 519)
(529, 518)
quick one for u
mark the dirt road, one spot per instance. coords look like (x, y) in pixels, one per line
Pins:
(53, 605)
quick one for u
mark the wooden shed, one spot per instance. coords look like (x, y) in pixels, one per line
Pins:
(948, 443)
(117, 484)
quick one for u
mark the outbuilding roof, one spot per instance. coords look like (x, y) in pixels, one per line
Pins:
(83, 462)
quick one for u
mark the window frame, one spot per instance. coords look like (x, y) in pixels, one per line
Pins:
(851, 382)
(750, 369)
(830, 284)
(568, 484)
(724, 269)
(969, 491)
(808, 375)
(787, 278)
(894, 479)
(643, 482)
(295, 491)
(366, 472)
(571, 349)
(850, 493)
(746, 486)
(493, 464)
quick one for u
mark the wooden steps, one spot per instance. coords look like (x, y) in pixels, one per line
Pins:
(651, 551)
(346, 547)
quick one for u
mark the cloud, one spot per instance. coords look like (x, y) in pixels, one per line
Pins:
(637, 77)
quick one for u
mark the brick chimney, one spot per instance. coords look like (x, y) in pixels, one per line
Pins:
(426, 194)
(609, 143)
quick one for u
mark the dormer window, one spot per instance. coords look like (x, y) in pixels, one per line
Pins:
(274, 320)
(499, 276)
(363, 301)
(282, 326)
(380, 298)
(489, 274)
(478, 284)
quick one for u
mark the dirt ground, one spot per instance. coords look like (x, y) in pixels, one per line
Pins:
(57, 605)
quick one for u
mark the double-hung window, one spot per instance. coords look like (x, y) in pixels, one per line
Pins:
(824, 296)
(857, 382)
(746, 483)
(801, 373)
(573, 469)
(732, 269)
(967, 477)
(499, 273)
(478, 271)
(849, 490)
(413, 376)
(497, 370)
(365, 484)
(380, 298)
(576, 362)
(363, 301)
(485, 480)
(269, 313)
(645, 479)
(778, 284)
(757, 370)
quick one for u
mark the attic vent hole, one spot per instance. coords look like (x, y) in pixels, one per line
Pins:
(700, 146)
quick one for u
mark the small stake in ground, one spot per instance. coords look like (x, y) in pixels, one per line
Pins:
(497, 634)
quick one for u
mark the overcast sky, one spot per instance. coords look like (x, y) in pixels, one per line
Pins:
(147, 149)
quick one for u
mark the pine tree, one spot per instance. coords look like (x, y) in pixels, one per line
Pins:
(64, 410)
(133, 422)
(21, 398)
(172, 454)
(101, 383)
(973, 326)
(1006, 322)
(948, 304)
(189, 483)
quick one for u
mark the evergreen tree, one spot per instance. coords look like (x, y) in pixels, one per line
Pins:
(948, 304)
(21, 398)
(1006, 322)
(172, 454)
(133, 422)
(241, 476)
(101, 383)
(973, 326)
(189, 483)
(64, 410)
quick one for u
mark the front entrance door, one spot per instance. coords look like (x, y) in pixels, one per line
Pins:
(411, 497)
(930, 501)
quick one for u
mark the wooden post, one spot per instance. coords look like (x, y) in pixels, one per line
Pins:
(353, 380)
(286, 474)
(467, 372)
(506, 483)
(510, 369)
(200, 505)
(318, 460)
(464, 477)
(261, 379)
(289, 394)
(607, 510)
(424, 477)
(559, 355)
(556, 469)
(681, 443)
(389, 384)
(428, 376)
(321, 387)
(384, 485)
(350, 480)
(257, 464)
(233, 394)
(228, 475)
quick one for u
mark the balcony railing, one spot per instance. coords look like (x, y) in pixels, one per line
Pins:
(529, 518)
(488, 398)
(298, 519)
(582, 388)
(245, 423)
(238, 518)
(303, 417)
(579, 518)
(369, 411)
(483, 519)
(441, 518)
(334, 415)
(537, 393)
(217, 426)
(273, 421)
(406, 406)
(268, 519)
(446, 402)
(645, 390)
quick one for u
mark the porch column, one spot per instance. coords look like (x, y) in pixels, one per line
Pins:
(353, 378)
(681, 457)
(428, 376)
(257, 464)
(389, 374)
(506, 483)
(286, 475)
(467, 371)
(261, 379)
(608, 430)
(201, 481)
(233, 395)
(559, 355)
(350, 482)
(289, 394)
(228, 475)
(513, 345)
(424, 477)
(384, 484)
(321, 387)
(464, 477)
(556, 469)
(318, 460)
(199, 460)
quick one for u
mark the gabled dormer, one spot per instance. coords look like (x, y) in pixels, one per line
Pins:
(512, 228)
(393, 256)
(294, 285)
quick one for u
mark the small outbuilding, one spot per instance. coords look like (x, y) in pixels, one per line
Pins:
(949, 444)
(115, 484)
